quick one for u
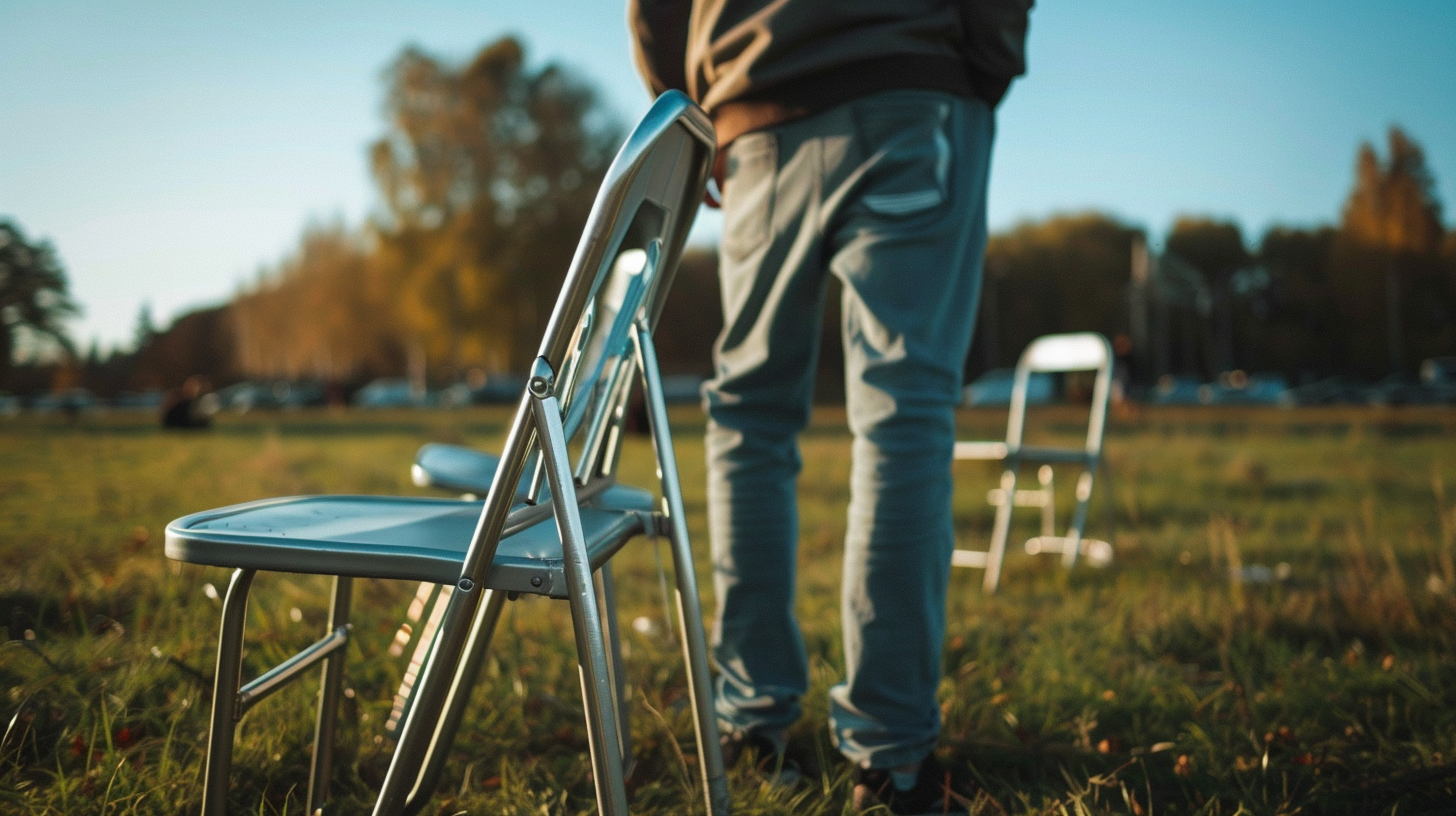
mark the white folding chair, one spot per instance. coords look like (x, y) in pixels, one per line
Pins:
(482, 552)
(1053, 353)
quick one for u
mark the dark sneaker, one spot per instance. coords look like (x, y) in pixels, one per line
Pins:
(763, 754)
(934, 793)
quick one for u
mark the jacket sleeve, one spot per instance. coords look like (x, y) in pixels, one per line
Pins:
(994, 36)
(659, 42)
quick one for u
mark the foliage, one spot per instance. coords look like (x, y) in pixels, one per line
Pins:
(1395, 299)
(1065, 273)
(1187, 678)
(1307, 302)
(488, 172)
(1393, 206)
(1215, 248)
(325, 312)
(1300, 331)
(33, 293)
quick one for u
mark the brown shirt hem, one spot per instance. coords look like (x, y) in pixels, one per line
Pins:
(816, 93)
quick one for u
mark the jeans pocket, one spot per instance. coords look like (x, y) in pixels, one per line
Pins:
(748, 193)
(910, 156)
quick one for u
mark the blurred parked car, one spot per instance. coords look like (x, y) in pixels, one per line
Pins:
(682, 389)
(1238, 388)
(994, 388)
(1338, 390)
(1438, 371)
(137, 400)
(71, 400)
(1404, 389)
(388, 392)
(265, 395)
(1172, 390)
(458, 395)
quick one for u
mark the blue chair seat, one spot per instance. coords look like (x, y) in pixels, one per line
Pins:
(452, 467)
(421, 539)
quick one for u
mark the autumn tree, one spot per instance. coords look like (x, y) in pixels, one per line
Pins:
(1387, 266)
(327, 311)
(34, 295)
(487, 171)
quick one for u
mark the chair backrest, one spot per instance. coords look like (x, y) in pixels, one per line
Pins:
(621, 273)
(1061, 353)
(623, 269)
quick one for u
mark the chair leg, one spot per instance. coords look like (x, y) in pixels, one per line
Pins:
(591, 649)
(448, 725)
(429, 696)
(689, 605)
(607, 608)
(700, 682)
(1079, 519)
(426, 702)
(1109, 502)
(1000, 531)
(429, 625)
(227, 680)
(1049, 510)
(330, 690)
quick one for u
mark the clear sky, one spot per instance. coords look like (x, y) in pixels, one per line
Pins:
(171, 149)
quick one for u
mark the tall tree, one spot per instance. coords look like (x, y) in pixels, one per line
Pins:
(1388, 253)
(488, 171)
(324, 312)
(146, 328)
(34, 296)
(1394, 206)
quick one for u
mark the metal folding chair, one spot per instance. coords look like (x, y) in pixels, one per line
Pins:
(481, 552)
(1053, 353)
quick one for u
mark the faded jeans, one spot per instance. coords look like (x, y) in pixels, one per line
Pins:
(888, 194)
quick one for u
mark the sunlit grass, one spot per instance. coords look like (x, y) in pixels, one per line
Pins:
(1322, 682)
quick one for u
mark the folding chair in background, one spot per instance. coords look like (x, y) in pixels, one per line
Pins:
(1050, 354)
(481, 552)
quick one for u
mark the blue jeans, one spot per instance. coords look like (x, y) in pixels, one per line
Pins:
(888, 194)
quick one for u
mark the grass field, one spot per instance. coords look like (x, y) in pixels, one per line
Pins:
(1275, 635)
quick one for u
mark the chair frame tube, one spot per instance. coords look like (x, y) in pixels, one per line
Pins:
(231, 699)
(472, 612)
(1014, 454)
(596, 680)
(331, 688)
(606, 594)
(225, 683)
(689, 605)
(448, 725)
(433, 690)
(689, 611)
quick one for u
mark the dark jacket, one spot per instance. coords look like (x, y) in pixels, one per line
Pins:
(756, 63)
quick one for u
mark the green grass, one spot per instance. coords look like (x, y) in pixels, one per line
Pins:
(1157, 686)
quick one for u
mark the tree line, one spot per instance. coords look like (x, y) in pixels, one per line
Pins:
(486, 171)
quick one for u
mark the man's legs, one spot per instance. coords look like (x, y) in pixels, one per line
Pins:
(772, 282)
(909, 252)
(888, 193)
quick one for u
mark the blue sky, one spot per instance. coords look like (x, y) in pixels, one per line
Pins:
(171, 149)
